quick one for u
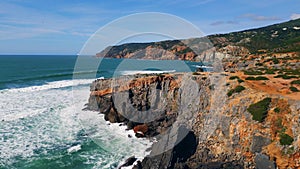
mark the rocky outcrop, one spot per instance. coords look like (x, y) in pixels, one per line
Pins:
(196, 125)
(128, 162)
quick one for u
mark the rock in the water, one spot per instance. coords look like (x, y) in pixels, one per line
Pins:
(128, 162)
(141, 128)
(138, 165)
(139, 135)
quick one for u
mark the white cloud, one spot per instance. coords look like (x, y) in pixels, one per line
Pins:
(255, 17)
(29, 22)
(217, 23)
(295, 16)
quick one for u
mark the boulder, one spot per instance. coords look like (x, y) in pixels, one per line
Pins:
(142, 129)
(263, 162)
(128, 162)
(258, 143)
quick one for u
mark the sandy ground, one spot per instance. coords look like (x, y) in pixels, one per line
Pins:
(276, 86)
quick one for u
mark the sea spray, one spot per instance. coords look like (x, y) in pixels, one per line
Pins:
(41, 127)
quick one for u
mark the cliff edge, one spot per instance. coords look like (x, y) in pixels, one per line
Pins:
(201, 122)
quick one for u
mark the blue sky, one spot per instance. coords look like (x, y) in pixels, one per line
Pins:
(63, 26)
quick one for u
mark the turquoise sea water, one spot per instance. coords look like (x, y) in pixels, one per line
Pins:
(42, 124)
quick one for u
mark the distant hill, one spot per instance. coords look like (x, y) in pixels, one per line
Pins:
(282, 37)
(278, 38)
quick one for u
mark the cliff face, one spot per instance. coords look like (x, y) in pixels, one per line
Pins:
(197, 126)
(269, 40)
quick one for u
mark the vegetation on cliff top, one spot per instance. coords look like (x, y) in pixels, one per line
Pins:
(257, 78)
(285, 139)
(284, 37)
(278, 38)
(237, 89)
(260, 109)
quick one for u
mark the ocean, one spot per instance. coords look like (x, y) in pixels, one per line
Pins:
(42, 124)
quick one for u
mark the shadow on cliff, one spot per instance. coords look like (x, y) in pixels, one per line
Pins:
(185, 147)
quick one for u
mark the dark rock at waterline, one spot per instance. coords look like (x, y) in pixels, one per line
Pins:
(138, 165)
(184, 147)
(128, 162)
(200, 69)
(139, 135)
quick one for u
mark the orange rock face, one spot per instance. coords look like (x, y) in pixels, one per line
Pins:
(140, 128)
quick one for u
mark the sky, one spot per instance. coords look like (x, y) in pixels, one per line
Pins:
(64, 26)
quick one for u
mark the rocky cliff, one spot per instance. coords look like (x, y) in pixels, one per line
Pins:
(278, 38)
(197, 124)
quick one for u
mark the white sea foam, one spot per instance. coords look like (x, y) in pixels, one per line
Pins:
(200, 66)
(51, 116)
(53, 85)
(116, 138)
(133, 72)
(74, 149)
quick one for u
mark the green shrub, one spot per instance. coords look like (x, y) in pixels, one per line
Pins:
(285, 139)
(277, 110)
(252, 72)
(295, 82)
(240, 80)
(275, 60)
(278, 123)
(285, 76)
(238, 89)
(259, 110)
(269, 71)
(259, 64)
(292, 72)
(250, 78)
(261, 78)
(257, 78)
(233, 77)
(294, 89)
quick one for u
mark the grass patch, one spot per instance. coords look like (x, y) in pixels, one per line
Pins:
(269, 71)
(275, 60)
(259, 64)
(294, 89)
(250, 78)
(285, 76)
(278, 123)
(236, 77)
(259, 110)
(238, 89)
(233, 77)
(295, 82)
(277, 110)
(240, 80)
(257, 78)
(285, 139)
(292, 72)
(252, 72)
